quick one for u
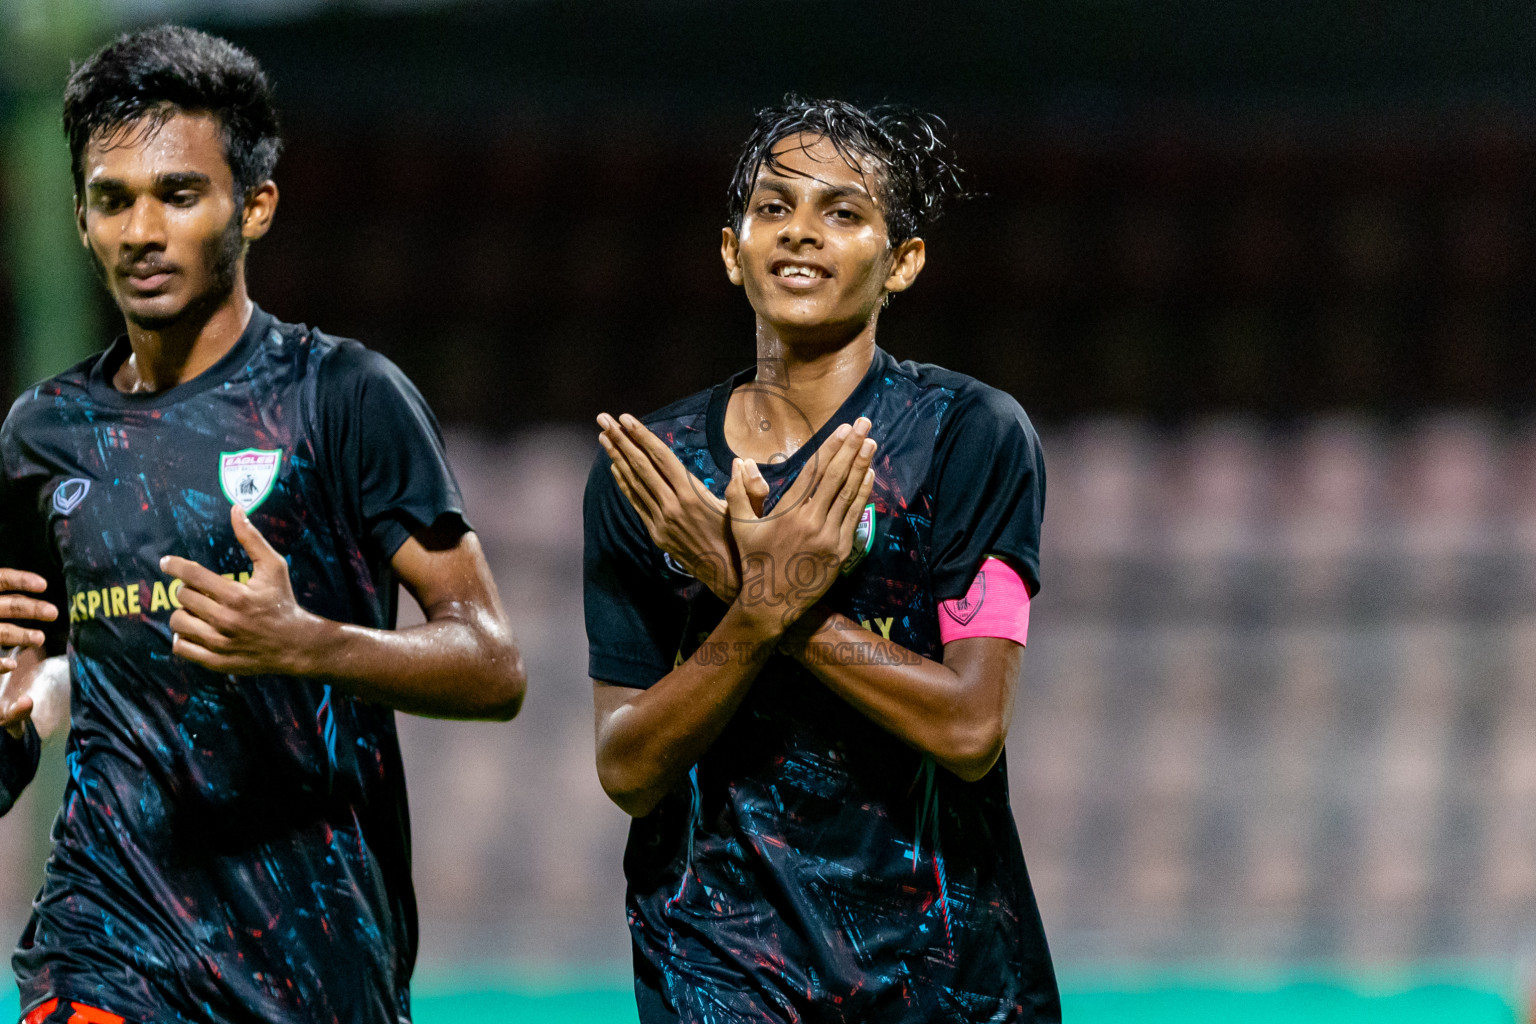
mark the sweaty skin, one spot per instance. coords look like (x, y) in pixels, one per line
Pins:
(814, 258)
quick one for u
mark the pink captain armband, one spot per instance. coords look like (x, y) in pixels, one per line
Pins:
(996, 605)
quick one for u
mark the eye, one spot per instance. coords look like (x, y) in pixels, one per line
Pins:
(846, 215)
(771, 208)
(109, 203)
(183, 197)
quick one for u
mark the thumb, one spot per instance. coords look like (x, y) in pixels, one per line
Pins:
(251, 539)
(737, 501)
(757, 487)
(14, 718)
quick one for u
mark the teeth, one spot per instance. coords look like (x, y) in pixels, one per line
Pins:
(793, 271)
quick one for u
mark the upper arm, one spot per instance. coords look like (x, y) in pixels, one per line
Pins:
(449, 579)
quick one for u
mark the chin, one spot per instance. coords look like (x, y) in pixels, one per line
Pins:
(156, 317)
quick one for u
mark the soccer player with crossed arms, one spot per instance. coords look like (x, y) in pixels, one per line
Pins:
(807, 597)
(216, 513)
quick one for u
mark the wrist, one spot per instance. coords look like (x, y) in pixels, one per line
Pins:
(312, 649)
(803, 630)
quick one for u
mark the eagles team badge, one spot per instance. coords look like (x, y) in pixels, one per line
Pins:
(247, 476)
(863, 539)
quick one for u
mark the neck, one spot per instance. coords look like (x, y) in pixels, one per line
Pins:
(800, 385)
(166, 355)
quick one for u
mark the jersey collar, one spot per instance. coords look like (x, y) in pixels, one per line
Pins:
(104, 394)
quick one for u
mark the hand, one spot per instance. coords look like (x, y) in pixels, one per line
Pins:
(790, 558)
(16, 606)
(253, 628)
(14, 714)
(681, 516)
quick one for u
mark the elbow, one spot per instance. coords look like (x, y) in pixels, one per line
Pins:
(510, 688)
(625, 788)
(633, 800)
(972, 748)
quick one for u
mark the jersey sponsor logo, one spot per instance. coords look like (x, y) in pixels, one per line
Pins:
(965, 609)
(863, 539)
(69, 494)
(247, 476)
(129, 599)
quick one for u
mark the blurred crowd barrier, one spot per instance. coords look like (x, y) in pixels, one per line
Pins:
(1280, 705)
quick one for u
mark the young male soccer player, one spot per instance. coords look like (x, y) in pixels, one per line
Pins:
(222, 506)
(802, 688)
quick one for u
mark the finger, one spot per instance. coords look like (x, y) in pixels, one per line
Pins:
(855, 479)
(757, 487)
(14, 718)
(736, 500)
(20, 579)
(12, 635)
(839, 468)
(815, 468)
(638, 497)
(197, 577)
(199, 655)
(662, 457)
(204, 608)
(255, 544)
(856, 508)
(13, 606)
(200, 632)
(640, 465)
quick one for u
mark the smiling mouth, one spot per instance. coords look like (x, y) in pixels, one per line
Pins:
(794, 271)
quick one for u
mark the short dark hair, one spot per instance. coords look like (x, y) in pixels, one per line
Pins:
(159, 71)
(917, 174)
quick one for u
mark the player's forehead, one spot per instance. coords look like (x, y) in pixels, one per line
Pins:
(159, 143)
(807, 159)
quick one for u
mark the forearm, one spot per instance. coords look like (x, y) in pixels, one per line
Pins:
(960, 721)
(651, 740)
(459, 664)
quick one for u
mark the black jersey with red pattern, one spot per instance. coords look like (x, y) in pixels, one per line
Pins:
(812, 867)
(229, 848)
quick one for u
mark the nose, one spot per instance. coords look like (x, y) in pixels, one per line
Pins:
(803, 227)
(144, 227)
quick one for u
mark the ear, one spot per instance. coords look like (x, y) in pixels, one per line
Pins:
(260, 207)
(730, 254)
(85, 240)
(906, 264)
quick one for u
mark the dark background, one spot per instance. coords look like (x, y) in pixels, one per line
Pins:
(1189, 207)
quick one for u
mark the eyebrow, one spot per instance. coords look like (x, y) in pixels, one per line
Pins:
(826, 191)
(175, 179)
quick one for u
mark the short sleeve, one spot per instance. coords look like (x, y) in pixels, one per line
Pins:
(383, 438)
(634, 623)
(988, 486)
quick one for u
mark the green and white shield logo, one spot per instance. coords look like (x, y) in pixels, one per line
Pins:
(247, 476)
(863, 539)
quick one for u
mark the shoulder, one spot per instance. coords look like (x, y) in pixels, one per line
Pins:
(967, 407)
(37, 407)
(685, 410)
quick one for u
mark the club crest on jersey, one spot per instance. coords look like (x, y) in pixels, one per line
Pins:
(247, 476)
(863, 539)
(965, 609)
(69, 494)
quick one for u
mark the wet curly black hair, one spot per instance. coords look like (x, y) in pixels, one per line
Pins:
(151, 74)
(914, 167)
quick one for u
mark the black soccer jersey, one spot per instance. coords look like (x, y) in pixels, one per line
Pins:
(231, 849)
(813, 867)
